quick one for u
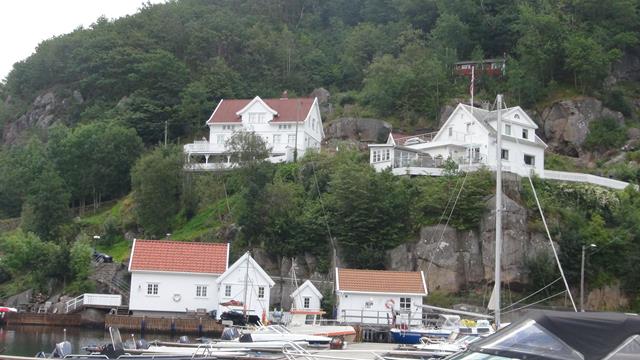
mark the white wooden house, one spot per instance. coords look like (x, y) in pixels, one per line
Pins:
(286, 125)
(306, 297)
(376, 296)
(173, 277)
(245, 286)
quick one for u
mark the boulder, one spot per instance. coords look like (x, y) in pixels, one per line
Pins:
(363, 130)
(565, 124)
(24, 297)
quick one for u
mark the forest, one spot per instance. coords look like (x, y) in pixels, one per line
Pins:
(170, 64)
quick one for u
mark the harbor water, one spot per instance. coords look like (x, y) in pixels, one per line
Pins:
(27, 340)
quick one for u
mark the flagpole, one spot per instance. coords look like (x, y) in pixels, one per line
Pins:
(471, 88)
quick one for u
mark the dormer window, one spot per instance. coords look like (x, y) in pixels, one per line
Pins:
(525, 133)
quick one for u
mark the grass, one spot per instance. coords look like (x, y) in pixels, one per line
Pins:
(120, 250)
(101, 216)
(200, 226)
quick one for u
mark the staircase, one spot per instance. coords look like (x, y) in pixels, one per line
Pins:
(106, 274)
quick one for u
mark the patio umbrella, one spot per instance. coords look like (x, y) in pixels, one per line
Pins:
(5, 309)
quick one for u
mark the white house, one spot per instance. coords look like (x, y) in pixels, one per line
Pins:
(286, 125)
(377, 296)
(306, 297)
(173, 277)
(467, 137)
(245, 286)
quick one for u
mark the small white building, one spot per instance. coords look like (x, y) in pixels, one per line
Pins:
(286, 125)
(468, 137)
(174, 277)
(379, 296)
(245, 286)
(306, 297)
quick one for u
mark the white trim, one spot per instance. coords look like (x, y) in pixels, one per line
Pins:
(172, 272)
(133, 249)
(424, 283)
(337, 280)
(380, 293)
(214, 112)
(253, 101)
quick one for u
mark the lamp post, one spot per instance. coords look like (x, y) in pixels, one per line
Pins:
(96, 238)
(584, 248)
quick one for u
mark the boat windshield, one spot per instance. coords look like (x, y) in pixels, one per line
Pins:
(477, 356)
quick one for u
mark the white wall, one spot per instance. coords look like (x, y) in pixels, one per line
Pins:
(236, 279)
(170, 284)
(350, 307)
(314, 299)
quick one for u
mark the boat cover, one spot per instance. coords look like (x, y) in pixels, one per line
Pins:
(565, 335)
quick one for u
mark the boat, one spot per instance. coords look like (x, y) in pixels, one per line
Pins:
(309, 322)
(281, 333)
(444, 327)
(554, 335)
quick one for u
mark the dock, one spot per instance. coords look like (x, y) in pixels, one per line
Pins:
(199, 326)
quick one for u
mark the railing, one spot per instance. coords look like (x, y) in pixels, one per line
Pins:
(203, 146)
(380, 318)
(584, 178)
(416, 139)
(209, 166)
(105, 300)
(73, 304)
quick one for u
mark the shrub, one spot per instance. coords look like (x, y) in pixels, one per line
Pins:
(615, 100)
(605, 134)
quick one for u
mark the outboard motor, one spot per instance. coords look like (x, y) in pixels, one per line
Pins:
(245, 338)
(142, 344)
(62, 349)
(229, 333)
(184, 339)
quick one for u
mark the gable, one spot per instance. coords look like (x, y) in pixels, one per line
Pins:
(460, 114)
(306, 287)
(256, 105)
(178, 256)
(241, 265)
(516, 115)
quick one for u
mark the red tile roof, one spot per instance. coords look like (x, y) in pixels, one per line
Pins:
(382, 281)
(287, 109)
(179, 256)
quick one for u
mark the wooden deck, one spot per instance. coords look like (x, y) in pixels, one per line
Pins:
(26, 318)
(200, 325)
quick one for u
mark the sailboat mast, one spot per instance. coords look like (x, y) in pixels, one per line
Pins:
(246, 287)
(498, 211)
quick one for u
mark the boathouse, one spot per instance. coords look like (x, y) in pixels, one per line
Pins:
(379, 296)
(306, 297)
(175, 277)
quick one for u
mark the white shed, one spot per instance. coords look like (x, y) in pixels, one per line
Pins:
(306, 297)
(244, 286)
(373, 296)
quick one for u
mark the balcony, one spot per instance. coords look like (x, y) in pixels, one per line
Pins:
(203, 147)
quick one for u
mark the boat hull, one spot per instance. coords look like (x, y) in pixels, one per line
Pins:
(411, 337)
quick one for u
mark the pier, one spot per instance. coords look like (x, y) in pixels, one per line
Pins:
(199, 326)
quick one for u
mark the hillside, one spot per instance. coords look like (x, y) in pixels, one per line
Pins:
(82, 117)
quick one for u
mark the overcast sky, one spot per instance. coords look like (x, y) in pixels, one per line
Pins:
(26, 23)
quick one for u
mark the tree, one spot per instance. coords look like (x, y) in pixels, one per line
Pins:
(247, 148)
(156, 179)
(587, 60)
(46, 208)
(450, 32)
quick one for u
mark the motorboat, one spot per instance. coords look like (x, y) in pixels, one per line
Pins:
(281, 333)
(442, 329)
(309, 322)
(558, 335)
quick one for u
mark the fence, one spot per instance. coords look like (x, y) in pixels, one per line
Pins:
(199, 325)
(378, 317)
(585, 178)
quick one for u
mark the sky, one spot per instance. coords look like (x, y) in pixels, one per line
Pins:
(26, 23)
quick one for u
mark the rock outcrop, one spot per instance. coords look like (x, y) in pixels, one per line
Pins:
(360, 131)
(565, 124)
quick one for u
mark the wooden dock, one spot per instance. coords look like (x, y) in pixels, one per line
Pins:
(26, 318)
(199, 326)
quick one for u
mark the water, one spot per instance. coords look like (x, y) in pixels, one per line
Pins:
(27, 340)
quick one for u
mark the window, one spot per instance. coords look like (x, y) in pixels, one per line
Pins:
(386, 155)
(376, 156)
(468, 128)
(227, 290)
(276, 138)
(260, 292)
(525, 133)
(505, 154)
(256, 118)
(220, 139)
(450, 132)
(313, 124)
(529, 160)
(152, 289)
(306, 302)
(507, 129)
(368, 304)
(291, 140)
(405, 303)
(201, 291)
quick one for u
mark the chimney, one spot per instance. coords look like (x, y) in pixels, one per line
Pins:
(285, 95)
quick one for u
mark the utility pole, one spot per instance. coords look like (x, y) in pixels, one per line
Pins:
(498, 211)
(295, 150)
(584, 248)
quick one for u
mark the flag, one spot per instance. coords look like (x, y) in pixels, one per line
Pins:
(473, 78)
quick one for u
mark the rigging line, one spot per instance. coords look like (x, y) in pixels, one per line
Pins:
(537, 302)
(553, 247)
(444, 211)
(447, 223)
(324, 213)
(530, 295)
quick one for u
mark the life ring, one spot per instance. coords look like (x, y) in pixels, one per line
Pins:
(177, 297)
(389, 304)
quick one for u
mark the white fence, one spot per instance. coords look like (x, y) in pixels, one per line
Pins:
(97, 300)
(375, 317)
(584, 178)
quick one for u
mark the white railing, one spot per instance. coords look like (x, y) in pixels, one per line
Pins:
(371, 317)
(208, 166)
(584, 178)
(105, 300)
(203, 146)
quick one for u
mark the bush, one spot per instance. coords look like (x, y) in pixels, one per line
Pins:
(615, 100)
(605, 134)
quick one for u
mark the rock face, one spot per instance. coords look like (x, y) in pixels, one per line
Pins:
(360, 129)
(452, 259)
(625, 69)
(609, 297)
(46, 110)
(565, 123)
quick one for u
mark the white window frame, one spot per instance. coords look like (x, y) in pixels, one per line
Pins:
(504, 154)
(525, 133)
(306, 302)
(220, 139)
(405, 303)
(277, 138)
(450, 131)
(291, 139)
(260, 292)
(153, 289)
(201, 291)
(227, 290)
(533, 160)
(507, 129)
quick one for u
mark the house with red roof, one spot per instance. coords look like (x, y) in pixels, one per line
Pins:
(288, 127)
(169, 277)
(379, 296)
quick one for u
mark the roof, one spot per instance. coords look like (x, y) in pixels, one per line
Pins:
(306, 284)
(380, 281)
(287, 110)
(253, 268)
(179, 256)
(485, 61)
(558, 334)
